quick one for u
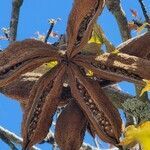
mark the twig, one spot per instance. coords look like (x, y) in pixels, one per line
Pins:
(115, 7)
(16, 5)
(7, 141)
(145, 13)
(12, 138)
(49, 31)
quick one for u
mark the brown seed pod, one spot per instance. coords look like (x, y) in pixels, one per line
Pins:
(42, 105)
(22, 57)
(80, 24)
(70, 128)
(95, 104)
(120, 66)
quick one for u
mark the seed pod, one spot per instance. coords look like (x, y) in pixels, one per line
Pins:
(70, 128)
(22, 57)
(42, 105)
(80, 24)
(96, 106)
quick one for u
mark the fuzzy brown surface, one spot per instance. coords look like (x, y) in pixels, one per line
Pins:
(70, 127)
(45, 95)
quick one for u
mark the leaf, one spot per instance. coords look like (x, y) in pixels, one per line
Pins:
(140, 134)
(51, 64)
(146, 88)
(95, 39)
(134, 13)
(101, 35)
(94, 44)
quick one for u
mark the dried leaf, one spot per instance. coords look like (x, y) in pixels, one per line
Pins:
(134, 12)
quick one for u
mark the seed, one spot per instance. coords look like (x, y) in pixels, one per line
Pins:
(106, 122)
(87, 103)
(94, 112)
(91, 106)
(90, 100)
(103, 121)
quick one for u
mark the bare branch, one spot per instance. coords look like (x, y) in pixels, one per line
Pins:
(49, 31)
(115, 7)
(7, 141)
(145, 13)
(117, 95)
(16, 4)
(12, 138)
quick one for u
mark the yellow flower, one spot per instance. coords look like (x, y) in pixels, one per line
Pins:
(146, 88)
(140, 134)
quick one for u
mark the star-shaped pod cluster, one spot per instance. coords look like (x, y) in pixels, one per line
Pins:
(88, 106)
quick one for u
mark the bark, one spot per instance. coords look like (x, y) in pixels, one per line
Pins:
(16, 5)
(115, 8)
(12, 138)
(145, 13)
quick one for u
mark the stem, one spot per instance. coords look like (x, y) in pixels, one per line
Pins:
(16, 5)
(7, 141)
(10, 138)
(114, 6)
(49, 32)
(145, 13)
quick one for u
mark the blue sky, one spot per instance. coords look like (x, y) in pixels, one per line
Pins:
(34, 17)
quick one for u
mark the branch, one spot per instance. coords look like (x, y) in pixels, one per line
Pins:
(115, 8)
(7, 141)
(16, 4)
(12, 138)
(49, 31)
(145, 13)
(117, 96)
